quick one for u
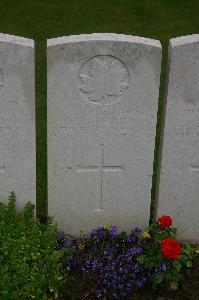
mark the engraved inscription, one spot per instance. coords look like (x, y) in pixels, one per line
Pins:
(12, 117)
(103, 79)
(1, 78)
(193, 183)
(2, 169)
(194, 168)
(101, 168)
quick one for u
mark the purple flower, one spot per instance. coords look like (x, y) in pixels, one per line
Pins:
(163, 267)
(134, 251)
(137, 230)
(132, 239)
(62, 242)
(140, 282)
(109, 262)
(113, 230)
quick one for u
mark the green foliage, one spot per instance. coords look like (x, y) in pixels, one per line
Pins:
(168, 272)
(29, 261)
(158, 233)
(36, 260)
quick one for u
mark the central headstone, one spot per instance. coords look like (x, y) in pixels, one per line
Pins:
(102, 107)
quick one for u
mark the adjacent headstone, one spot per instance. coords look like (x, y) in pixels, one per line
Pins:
(102, 106)
(17, 119)
(179, 172)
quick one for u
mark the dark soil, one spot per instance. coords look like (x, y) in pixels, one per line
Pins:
(188, 289)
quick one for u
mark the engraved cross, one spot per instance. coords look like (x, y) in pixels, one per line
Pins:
(101, 168)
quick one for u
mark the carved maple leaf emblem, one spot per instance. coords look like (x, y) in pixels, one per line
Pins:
(103, 79)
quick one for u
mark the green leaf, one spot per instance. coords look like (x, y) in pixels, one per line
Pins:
(158, 278)
(177, 265)
(142, 259)
(173, 230)
(189, 264)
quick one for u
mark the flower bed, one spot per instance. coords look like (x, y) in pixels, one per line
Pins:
(111, 265)
(39, 262)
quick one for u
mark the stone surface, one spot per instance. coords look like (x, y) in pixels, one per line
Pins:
(17, 119)
(179, 172)
(102, 106)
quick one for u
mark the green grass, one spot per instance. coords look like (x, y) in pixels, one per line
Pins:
(42, 19)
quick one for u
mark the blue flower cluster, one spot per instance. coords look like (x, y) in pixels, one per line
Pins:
(62, 241)
(108, 261)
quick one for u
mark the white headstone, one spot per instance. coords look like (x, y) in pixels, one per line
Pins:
(102, 106)
(17, 119)
(179, 173)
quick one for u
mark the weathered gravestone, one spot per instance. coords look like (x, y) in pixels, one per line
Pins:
(179, 173)
(17, 119)
(102, 106)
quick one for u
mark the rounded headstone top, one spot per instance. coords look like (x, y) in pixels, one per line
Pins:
(184, 40)
(103, 37)
(12, 39)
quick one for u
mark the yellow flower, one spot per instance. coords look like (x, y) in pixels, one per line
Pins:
(146, 235)
(106, 227)
(81, 247)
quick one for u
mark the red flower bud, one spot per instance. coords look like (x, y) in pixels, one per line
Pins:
(165, 221)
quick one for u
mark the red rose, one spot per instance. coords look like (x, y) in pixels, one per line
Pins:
(170, 248)
(165, 221)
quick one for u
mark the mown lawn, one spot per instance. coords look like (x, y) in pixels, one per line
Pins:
(42, 19)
